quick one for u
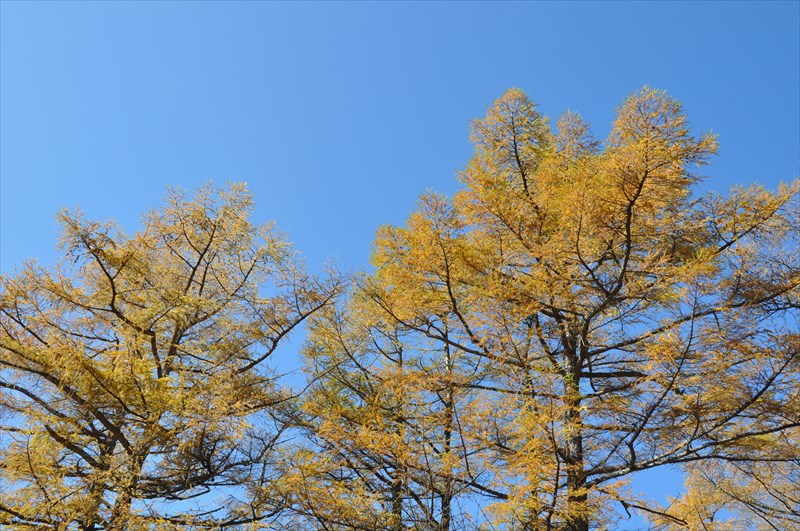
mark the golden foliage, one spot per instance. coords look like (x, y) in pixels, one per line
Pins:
(132, 374)
(596, 317)
(575, 314)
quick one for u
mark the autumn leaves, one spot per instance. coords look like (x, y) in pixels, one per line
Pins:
(573, 315)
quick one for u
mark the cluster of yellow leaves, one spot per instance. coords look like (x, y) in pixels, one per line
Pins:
(132, 374)
(596, 319)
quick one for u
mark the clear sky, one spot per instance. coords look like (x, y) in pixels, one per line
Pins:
(339, 115)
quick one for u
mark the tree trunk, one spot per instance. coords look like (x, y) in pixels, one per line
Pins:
(449, 417)
(397, 501)
(91, 519)
(577, 514)
(121, 512)
(447, 491)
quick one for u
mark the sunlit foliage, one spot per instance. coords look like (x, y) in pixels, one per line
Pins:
(134, 391)
(575, 314)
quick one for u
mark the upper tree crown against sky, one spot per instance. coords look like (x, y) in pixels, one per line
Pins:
(575, 314)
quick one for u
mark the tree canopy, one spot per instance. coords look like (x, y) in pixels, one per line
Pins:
(134, 388)
(577, 313)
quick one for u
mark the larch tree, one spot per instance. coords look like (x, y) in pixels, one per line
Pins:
(134, 386)
(607, 320)
(382, 412)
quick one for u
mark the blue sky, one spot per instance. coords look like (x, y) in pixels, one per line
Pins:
(339, 115)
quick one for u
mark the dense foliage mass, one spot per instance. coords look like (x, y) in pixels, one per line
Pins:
(133, 389)
(574, 315)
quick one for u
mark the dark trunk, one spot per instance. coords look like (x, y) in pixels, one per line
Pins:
(447, 491)
(91, 520)
(449, 417)
(578, 518)
(397, 502)
(121, 512)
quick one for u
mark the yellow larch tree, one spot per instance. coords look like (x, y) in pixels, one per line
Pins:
(607, 319)
(134, 391)
(382, 411)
